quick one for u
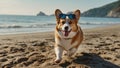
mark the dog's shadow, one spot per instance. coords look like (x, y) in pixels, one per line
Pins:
(91, 60)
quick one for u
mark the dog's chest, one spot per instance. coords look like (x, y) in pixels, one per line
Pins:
(66, 43)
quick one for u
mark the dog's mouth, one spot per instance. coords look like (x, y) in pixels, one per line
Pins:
(66, 33)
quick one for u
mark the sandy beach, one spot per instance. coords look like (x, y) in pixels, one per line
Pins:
(99, 49)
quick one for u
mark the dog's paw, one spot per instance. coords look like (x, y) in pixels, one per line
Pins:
(65, 53)
(70, 54)
(72, 51)
(58, 60)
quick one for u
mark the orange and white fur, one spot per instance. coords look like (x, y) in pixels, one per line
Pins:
(71, 42)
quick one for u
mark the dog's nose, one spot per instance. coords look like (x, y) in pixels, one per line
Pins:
(66, 27)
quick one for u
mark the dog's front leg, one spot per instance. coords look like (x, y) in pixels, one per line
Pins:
(72, 51)
(58, 51)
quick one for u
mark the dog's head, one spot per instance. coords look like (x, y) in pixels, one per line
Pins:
(67, 23)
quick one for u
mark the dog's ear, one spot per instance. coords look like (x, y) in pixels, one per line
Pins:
(57, 13)
(77, 14)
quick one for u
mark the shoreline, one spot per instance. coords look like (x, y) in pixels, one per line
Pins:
(110, 25)
(99, 49)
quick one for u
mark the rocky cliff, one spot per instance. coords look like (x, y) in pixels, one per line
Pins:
(114, 13)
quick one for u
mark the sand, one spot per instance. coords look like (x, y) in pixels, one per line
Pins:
(99, 49)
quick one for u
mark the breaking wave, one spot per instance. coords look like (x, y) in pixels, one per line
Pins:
(46, 25)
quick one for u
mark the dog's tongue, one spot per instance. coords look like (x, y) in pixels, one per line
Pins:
(66, 33)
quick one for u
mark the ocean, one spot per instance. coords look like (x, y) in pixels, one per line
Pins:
(16, 24)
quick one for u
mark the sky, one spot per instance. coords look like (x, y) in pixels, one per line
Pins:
(32, 7)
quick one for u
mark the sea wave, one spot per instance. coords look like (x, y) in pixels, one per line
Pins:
(26, 26)
(96, 23)
(45, 25)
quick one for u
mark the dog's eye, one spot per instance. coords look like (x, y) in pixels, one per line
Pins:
(63, 22)
(70, 22)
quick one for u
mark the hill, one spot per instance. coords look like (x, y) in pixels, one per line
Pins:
(109, 10)
(41, 14)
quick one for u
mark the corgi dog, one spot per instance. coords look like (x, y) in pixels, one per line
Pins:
(68, 35)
